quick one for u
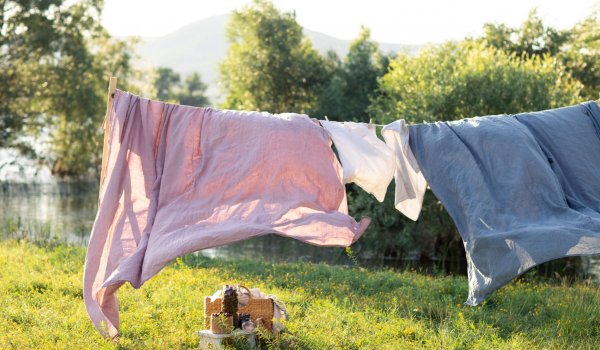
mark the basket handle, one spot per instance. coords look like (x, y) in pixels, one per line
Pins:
(250, 297)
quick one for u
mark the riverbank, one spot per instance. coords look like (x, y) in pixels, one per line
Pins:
(330, 306)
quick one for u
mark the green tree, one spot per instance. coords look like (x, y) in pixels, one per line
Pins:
(168, 87)
(31, 33)
(270, 65)
(347, 95)
(462, 80)
(166, 83)
(581, 55)
(76, 110)
(54, 66)
(450, 82)
(193, 93)
(577, 48)
(531, 39)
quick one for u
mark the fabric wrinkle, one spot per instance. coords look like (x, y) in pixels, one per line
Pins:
(519, 175)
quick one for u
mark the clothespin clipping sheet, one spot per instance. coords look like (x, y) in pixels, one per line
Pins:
(112, 87)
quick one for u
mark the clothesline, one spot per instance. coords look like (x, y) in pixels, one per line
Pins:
(369, 123)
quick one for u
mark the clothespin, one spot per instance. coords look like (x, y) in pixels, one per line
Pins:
(371, 126)
(112, 86)
(326, 118)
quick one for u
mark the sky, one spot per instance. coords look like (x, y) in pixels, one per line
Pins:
(403, 22)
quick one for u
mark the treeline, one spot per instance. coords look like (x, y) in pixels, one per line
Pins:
(55, 60)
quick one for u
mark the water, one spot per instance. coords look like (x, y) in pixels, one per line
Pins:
(66, 210)
(37, 205)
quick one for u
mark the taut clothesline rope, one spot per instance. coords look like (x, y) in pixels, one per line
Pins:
(370, 122)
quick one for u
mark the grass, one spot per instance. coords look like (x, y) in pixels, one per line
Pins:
(331, 307)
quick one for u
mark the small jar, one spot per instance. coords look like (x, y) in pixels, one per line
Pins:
(242, 318)
(248, 326)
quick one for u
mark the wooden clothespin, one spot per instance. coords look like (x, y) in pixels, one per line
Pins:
(112, 86)
(370, 124)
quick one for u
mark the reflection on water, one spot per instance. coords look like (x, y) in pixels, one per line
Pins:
(55, 209)
(66, 210)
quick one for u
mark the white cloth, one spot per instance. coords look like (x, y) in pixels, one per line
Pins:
(366, 160)
(410, 182)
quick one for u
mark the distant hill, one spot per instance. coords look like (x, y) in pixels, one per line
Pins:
(200, 46)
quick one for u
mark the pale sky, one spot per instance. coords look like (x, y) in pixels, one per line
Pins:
(403, 22)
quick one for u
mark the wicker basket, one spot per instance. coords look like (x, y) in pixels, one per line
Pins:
(257, 308)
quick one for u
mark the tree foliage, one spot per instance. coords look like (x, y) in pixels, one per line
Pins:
(581, 55)
(55, 60)
(533, 38)
(577, 48)
(168, 86)
(270, 65)
(463, 80)
(165, 83)
(193, 92)
(347, 95)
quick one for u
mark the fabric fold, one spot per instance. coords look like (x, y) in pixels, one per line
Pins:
(410, 182)
(181, 179)
(366, 160)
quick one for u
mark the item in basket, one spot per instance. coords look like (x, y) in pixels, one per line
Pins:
(221, 323)
(230, 302)
(241, 319)
(248, 326)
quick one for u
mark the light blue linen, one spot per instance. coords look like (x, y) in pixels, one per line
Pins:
(522, 189)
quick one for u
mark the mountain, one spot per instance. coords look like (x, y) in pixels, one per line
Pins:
(200, 46)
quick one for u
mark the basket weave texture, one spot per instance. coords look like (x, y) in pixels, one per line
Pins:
(257, 308)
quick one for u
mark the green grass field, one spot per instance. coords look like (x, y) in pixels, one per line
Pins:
(331, 307)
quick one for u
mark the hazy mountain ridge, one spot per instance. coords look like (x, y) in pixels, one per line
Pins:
(200, 46)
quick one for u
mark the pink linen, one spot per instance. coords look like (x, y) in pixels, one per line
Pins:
(180, 179)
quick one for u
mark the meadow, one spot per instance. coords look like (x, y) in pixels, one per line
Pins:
(331, 307)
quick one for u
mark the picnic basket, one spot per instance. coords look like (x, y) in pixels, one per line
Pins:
(257, 308)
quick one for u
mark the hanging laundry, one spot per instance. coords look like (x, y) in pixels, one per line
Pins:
(410, 183)
(522, 189)
(180, 179)
(366, 160)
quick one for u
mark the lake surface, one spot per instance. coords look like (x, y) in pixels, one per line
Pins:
(66, 210)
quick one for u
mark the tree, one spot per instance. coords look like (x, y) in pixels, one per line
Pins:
(194, 92)
(168, 87)
(269, 65)
(29, 33)
(532, 39)
(55, 60)
(166, 82)
(463, 80)
(581, 55)
(347, 96)
(577, 48)
(76, 110)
